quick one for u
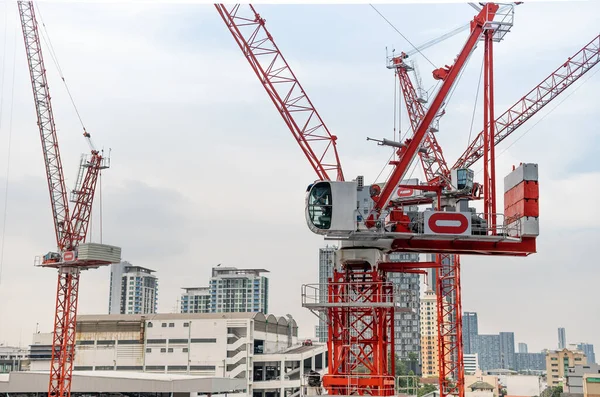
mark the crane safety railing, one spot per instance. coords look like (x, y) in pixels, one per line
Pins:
(355, 294)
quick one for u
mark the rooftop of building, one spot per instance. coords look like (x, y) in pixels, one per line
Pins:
(256, 316)
(196, 289)
(121, 381)
(481, 385)
(234, 271)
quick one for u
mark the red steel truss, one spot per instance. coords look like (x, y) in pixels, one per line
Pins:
(70, 230)
(431, 155)
(552, 86)
(361, 334)
(449, 317)
(284, 89)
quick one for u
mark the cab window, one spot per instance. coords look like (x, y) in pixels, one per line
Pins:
(320, 205)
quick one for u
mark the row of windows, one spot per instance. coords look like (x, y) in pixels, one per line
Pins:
(170, 325)
(165, 350)
(148, 368)
(176, 341)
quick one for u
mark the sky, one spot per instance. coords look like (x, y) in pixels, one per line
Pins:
(204, 171)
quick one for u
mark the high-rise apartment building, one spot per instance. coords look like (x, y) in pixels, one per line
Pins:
(522, 347)
(429, 342)
(133, 289)
(470, 331)
(238, 290)
(507, 350)
(558, 364)
(562, 339)
(230, 290)
(588, 350)
(487, 348)
(326, 265)
(195, 300)
(407, 336)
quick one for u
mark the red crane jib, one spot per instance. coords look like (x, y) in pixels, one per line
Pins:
(408, 152)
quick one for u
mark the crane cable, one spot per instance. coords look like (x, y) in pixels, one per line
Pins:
(10, 122)
(403, 36)
(48, 42)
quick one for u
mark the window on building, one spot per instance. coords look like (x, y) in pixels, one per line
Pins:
(163, 349)
(171, 325)
(164, 325)
(150, 324)
(186, 324)
(170, 350)
(148, 350)
(185, 350)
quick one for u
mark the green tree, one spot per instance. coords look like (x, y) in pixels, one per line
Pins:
(427, 388)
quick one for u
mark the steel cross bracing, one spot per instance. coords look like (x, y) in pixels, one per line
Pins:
(552, 86)
(448, 75)
(284, 89)
(70, 230)
(431, 155)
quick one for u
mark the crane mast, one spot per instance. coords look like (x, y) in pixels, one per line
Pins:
(70, 229)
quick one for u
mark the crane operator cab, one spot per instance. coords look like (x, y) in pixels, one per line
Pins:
(331, 207)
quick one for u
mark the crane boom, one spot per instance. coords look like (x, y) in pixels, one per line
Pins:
(45, 121)
(431, 155)
(526, 107)
(448, 75)
(284, 89)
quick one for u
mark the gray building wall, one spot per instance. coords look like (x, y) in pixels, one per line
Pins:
(470, 331)
(507, 350)
(588, 350)
(407, 336)
(530, 361)
(575, 377)
(326, 265)
(522, 347)
(562, 339)
(488, 349)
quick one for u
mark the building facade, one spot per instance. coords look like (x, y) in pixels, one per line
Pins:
(507, 350)
(558, 364)
(562, 339)
(525, 362)
(471, 363)
(407, 337)
(133, 289)
(429, 342)
(230, 290)
(487, 348)
(13, 358)
(263, 350)
(195, 300)
(574, 382)
(522, 347)
(326, 265)
(588, 350)
(470, 331)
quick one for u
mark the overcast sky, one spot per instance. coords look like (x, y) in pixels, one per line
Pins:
(204, 170)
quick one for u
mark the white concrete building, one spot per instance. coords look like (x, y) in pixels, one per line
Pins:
(471, 363)
(195, 300)
(133, 289)
(262, 350)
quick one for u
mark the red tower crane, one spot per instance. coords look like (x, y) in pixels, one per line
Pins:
(360, 330)
(70, 228)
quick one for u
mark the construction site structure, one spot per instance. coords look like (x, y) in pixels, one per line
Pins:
(358, 296)
(72, 255)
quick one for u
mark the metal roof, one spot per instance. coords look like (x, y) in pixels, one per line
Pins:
(121, 382)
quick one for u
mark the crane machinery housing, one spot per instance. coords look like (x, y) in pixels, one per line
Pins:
(73, 253)
(374, 221)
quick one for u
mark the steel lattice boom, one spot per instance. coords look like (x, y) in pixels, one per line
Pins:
(282, 86)
(45, 116)
(552, 86)
(70, 231)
